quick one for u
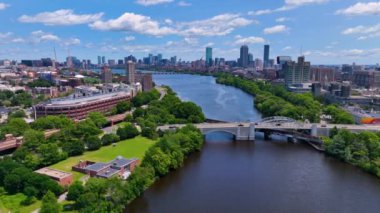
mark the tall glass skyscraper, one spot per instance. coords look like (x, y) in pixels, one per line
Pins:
(244, 56)
(209, 59)
(266, 56)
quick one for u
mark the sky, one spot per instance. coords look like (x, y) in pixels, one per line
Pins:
(325, 31)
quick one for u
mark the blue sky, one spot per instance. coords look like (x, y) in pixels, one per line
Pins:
(327, 31)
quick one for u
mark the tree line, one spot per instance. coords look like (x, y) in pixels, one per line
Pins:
(359, 149)
(273, 100)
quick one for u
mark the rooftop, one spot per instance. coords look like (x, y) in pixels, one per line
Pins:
(53, 173)
(108, 173)
(96, 167)
(121, 162)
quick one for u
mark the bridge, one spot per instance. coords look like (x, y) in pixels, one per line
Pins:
(292, 129)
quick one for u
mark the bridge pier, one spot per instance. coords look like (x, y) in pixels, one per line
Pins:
(252, 132)
(267, 135)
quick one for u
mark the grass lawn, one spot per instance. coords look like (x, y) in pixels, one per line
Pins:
(135, 147)
(11, 203)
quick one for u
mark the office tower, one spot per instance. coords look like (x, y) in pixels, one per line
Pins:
(120, 62)
(159, 58)
(131, 68)
(258, 64)
(111, 62)
(173, 60)
(281, 60)
(106, 75)
(69, 61)
(266, 56)
(99, 60)
(209, 57)
(103, 60)
(244, 56)
(296, 72)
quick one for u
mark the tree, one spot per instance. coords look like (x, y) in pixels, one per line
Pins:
(73, 146)
(75, 190)
(123, 107)
(98, 118)
(158, 160)
(86, 127)
(127, 131)
(108, 139)
(33, 138)
(50, 154)
(17, 114)
(16, 126)
(49, 204)
(92, 142)
(13, 183)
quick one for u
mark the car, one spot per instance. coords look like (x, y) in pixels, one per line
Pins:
(323, 125)
(241, 125)
(278, 124)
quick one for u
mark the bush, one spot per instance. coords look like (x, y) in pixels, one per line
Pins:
(111, 138)
(93, 142)
(127, 132)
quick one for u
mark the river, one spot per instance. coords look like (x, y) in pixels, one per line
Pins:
(260, 176)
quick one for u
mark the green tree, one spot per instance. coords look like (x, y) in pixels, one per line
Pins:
(108, 139)
(33, 138)
(49, 204)
(72, 146)
(123, 107)
(93, 142)
(158, 160)
(98, 118)
(75, 190)
(127, 131)
(16, 126)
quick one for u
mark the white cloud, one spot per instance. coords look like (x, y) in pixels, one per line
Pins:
(5, 35)
(289, 5)
(369, 8)
(41, 36)
(298, 3)
(365, 32)
(282, 19)
(248, 40)
(3, 6)
(152, 2)
(287, 48)
(168, 21)
(216, 26)
(349, 53)
(18, 40)
(132, 22)
(184, 4)
(129, 38)
(71, 42)
(61, 17)
(276, 29)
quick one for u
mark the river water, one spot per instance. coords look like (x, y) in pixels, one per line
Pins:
(260, 176)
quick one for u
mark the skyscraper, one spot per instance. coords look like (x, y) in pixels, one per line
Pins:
(103, 60)
(99, 60)
(296, 72)
(131, 68)
(209, 56)
(266, 56)
(106, 75)
(244, 56)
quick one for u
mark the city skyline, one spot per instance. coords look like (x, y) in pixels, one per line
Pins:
(346, 30)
